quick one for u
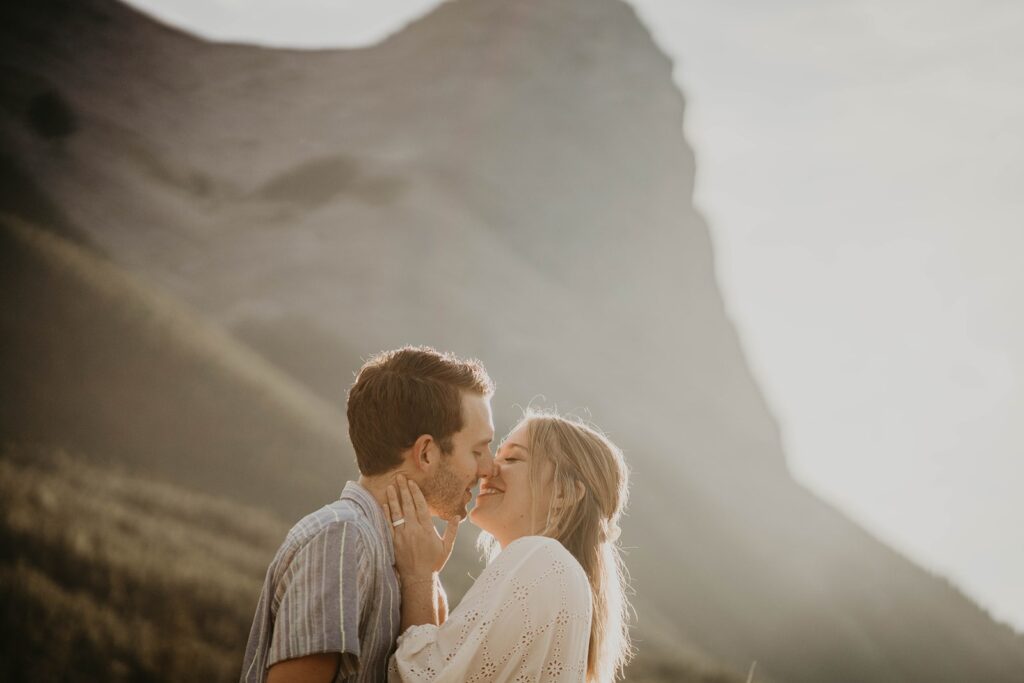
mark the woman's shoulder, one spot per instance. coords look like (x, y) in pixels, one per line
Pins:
(529, 545)
(540, 557)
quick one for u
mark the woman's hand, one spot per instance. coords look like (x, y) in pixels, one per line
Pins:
(420, 552)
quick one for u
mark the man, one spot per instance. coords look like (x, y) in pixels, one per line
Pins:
(330, 606)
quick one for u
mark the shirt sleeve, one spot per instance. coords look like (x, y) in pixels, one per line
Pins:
(319, 598)
(526, 618)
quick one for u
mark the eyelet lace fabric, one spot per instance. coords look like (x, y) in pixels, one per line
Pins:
(527, 618)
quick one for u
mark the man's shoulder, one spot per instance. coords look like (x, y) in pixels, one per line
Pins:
(336, 528)
(337, 517)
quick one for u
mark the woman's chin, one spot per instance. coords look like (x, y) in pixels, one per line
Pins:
(478, 518)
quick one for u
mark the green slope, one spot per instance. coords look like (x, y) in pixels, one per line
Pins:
(96, 362)
(113, 577)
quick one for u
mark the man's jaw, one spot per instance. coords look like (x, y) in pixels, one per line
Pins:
(463, 506)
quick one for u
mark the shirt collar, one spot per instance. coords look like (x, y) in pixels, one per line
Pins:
(364, 500)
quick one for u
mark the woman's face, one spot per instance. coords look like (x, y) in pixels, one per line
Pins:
(505, 501)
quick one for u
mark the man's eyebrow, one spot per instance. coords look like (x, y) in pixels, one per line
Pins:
(484, 442)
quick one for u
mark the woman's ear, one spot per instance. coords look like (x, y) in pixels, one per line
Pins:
(571, 497)
(578, 491)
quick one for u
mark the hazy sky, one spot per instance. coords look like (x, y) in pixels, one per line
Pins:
(861, 164)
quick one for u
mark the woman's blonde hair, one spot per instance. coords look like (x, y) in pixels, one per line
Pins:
(589, 488)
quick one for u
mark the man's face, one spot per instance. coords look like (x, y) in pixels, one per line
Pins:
(448, 488)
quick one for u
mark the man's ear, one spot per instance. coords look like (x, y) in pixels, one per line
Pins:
(425, 452)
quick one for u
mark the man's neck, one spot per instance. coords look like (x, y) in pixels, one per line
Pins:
(377, 484)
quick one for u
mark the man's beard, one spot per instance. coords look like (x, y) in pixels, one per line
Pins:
(445, 493)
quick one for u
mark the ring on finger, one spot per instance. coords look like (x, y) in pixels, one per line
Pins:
(398, 522)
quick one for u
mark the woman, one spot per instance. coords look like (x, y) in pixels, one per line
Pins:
(550, 605)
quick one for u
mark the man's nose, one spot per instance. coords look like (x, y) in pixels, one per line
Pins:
(488, 467)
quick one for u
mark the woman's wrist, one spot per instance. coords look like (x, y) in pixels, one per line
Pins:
(414, 579)
(419, 600)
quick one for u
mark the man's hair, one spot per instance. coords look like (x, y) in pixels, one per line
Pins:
(402, 394)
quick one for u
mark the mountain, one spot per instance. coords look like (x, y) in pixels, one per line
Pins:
(501, 179)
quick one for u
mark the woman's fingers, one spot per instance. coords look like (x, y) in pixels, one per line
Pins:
(408, 507)
(422, 511)
(418, 547)
(394, 506)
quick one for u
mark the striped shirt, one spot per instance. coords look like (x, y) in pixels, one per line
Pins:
(332, 587)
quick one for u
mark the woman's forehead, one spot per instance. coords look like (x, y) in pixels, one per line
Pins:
(520, 434)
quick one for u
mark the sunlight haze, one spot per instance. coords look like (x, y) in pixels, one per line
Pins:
(860, 167)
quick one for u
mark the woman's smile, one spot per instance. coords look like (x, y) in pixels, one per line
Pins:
(488, 490)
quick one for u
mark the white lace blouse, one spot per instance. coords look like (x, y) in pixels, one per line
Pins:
(527, 618)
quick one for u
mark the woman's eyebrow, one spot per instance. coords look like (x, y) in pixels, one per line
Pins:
(507, 445)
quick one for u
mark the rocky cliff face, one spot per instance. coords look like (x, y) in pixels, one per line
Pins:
(505, 180)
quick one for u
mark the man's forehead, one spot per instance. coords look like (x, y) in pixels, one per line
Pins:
(477, 411)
